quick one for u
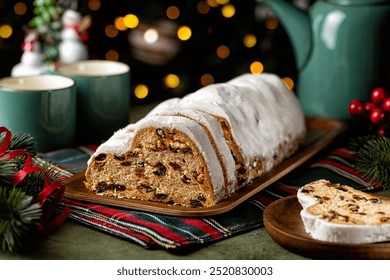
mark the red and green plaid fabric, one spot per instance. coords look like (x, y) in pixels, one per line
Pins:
(176, 233)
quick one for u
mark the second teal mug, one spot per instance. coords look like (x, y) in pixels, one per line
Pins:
(103, 97)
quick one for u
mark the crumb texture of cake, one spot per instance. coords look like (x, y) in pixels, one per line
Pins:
(339, 213)
(197, 150)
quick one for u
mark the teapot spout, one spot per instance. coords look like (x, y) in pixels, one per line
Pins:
(297, 25)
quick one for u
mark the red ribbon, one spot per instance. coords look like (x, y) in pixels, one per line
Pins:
(54, 190)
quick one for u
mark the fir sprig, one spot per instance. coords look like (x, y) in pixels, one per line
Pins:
(8, 168)
(23, 141)
(373, 158)
(19, 216)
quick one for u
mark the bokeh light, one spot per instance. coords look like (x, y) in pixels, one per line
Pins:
(5, 31)
(206, 79)
(173, 12)
(249, 40)
(130, 21)
(94, 5)
(112, 55)
(222, 2)
(172, 81)
(141, 91)
(119, 24)
(184, 33)
(288, 82)
(271, 23)
(20, 8)
(256, 67)
(228, 11)
(223, 51)
(202, 7)
(212, 3)
(111, 31)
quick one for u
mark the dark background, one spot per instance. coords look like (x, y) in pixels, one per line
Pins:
(195, 56)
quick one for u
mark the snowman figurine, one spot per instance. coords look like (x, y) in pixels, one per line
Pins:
(31, 62)
(72, 47)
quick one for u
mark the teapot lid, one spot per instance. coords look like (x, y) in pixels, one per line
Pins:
(357, 2)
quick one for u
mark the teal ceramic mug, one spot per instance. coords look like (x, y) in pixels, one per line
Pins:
(44, 106)
(103, 97)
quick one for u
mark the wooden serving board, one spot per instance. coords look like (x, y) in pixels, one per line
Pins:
(283, 222)
(320, 133)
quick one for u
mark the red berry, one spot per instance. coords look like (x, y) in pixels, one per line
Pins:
(384, 130)
(369, 106)
(386, 105)
(378, 95)
(356, 108)
(377, 115)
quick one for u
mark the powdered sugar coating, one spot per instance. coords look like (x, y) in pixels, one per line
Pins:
(250, 103)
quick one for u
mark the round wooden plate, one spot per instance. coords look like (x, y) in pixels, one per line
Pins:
(283, 222)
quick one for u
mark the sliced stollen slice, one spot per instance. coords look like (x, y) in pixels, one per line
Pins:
(217, 140)
(339, 213)
(222, 118)
(167, 158)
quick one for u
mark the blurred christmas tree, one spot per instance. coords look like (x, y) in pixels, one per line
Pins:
(173, 47)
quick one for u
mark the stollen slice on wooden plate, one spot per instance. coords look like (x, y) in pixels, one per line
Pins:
(283, 222)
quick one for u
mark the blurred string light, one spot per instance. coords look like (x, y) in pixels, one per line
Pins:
(223, 51)
(184, 33)
(141, 91)
(212, 3)
(271, 23)
(94, 5)
(130, 21)
(111, 31)
(206, 79)
(202, 7)
(222, 2)
(112, 55)
(119, 24)
(256, 67)
(20, 8)
(249, 40)
(172, 12)
(5, 31)
(228, 11)
(171, 81)
(288, 82)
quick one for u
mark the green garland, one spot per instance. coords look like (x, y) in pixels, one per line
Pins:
(373, 158)
(19, 216)
(19, 213)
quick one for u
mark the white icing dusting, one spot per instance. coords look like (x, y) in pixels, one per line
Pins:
(217, 137)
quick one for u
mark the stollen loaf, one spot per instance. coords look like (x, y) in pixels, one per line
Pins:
(198, 150)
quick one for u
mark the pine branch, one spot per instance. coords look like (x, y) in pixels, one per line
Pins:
(8, 168)
(19, 216)
(23, 141)
(373, 158)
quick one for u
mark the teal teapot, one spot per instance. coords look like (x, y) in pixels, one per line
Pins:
(341, 51)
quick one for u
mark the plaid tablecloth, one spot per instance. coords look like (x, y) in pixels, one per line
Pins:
(178, 233)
